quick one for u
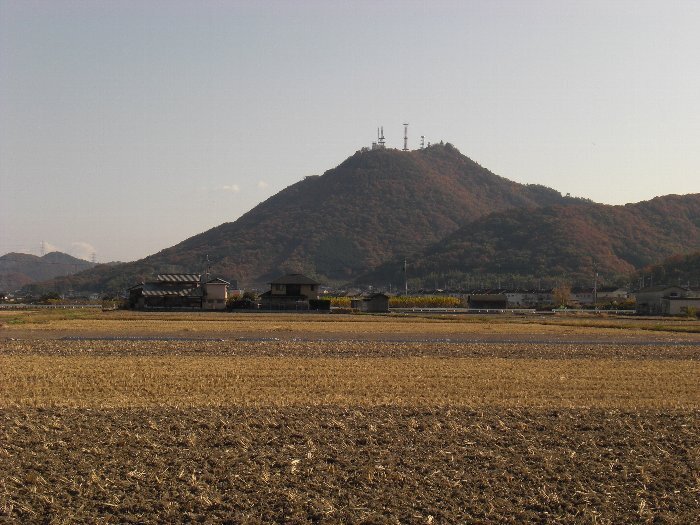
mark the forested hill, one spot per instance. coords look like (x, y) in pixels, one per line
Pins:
(558, 241)
(681, 269)
(20, 269)
(372, 207)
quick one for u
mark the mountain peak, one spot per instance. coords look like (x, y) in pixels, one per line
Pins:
(373, 206)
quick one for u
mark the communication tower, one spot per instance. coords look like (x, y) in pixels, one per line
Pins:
(422, 141)
(380, 144)
(405, 136)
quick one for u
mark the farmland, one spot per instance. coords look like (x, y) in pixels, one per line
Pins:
(121, 417)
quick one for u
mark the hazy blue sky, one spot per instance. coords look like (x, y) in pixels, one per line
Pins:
(126, 127)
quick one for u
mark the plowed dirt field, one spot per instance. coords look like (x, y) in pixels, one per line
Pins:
(351, 429)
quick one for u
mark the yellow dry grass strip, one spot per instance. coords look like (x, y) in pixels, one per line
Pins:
(202, 381)
(229, 325)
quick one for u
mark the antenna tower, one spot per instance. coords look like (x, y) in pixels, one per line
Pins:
(422, 141)
(381, 137)
(405, 136)
(94, 258)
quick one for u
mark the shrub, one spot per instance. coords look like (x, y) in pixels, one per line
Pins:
(425, 301)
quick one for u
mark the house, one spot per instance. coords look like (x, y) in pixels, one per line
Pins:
(293, 291)
(531, 299)
(493, 301)
(680, 305)
(375, 303)
(179, 291)
(657, 300)
(215, 294)
(517, 298)
(609, 294)
(582, 296)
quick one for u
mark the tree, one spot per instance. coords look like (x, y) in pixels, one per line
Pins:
(561, 295)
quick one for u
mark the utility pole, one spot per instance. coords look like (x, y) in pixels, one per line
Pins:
(405, 276)
(207, 271)
(595, 286)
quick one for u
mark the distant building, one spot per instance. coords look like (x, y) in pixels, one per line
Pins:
(215, 294)
(609, 294)
(293, 291)
(664, 300)
(518, 298)
(179, 291)
(374, 303)
(680, 305)
(582, 296)
(494, 301)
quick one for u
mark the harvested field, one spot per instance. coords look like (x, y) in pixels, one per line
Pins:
(101, 382)
(48, 324)
(347, 429)
(340, 465)
(351, 349)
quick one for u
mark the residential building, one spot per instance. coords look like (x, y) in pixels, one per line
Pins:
(374, 303)
(656, 300)
(179, 291)
(290, 292)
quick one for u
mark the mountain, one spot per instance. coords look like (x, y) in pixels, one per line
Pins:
(20, 269)
(557, 241)
(678, 269)
(374, 206)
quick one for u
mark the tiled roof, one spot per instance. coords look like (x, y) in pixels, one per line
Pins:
(190, 292)
(660, 288)
(179, 277)
(159, 290)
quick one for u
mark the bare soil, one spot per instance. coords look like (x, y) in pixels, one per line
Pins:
(348, 465)
(121, 417)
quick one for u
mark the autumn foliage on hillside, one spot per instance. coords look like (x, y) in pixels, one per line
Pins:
(372, 207)
(450, 216)
(678, 269)
(566, 241)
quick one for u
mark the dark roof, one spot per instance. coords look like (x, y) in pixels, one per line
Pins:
(287, 298)
(294, 278)
(162, 289)
(375, 296)
(179, 277)
(218, 280)
(660, 288)
(157, 290)
(610, 288)
(488, 297)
